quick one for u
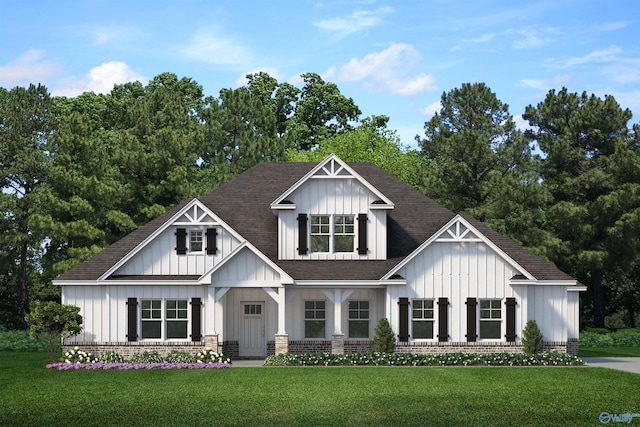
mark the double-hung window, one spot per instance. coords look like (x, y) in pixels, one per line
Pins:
(168, 322)
(422, 318)
(490, 318)
(314, 319)
(358, 319)
(195, 241)
(332, 233)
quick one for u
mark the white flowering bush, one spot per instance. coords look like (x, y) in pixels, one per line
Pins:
(75, 355)
(208, 355)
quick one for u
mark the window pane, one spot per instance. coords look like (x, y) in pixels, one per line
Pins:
(485, 303)
(314, 329)
(422, 329)
(343, 243)
(151, 329)
(489, 329)
(358, 329)
(177, 329)
(320, 243)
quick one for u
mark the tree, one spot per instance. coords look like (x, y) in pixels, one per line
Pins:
(479, 162)
(26, 123)
(51, 322)
(384, 340)
(590, 167)
(532, 341)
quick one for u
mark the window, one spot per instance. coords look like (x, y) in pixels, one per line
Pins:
(343, 234)
(422, 325)
(320, 233)
(358, 319)
(172, 326)
(314, 319)
(342, 238)
(151, 319)
(176, 319)
(490, 318)
(195, 240)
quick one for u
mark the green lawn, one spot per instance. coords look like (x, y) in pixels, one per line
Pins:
(31, 395)
(609, 352)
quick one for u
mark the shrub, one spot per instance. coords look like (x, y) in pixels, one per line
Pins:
(149, 356)
(209, 356)
(597, 330)
(110, 356)
(614, 321)
(384, 340)
(179, 357)
(51, 322)
(623, 338)
(532, 341)
(75, 355)
(19, 341)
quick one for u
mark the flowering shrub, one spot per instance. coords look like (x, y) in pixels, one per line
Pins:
(209, 356)
(75, 355)
(550, 358)
(110, 356)
(147, 357)
(133, 366)
(179, 357)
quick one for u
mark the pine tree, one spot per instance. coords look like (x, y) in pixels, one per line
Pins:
(532, 338)
(384, 340)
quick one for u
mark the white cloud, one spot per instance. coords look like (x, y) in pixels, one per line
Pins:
(455, 48)
(100, 79)
(30, 67)
(210, 48)
(532, 37)
(386, 70)
(546, 84)
(609, 54)
(486, 37)
(521, 124)
(431, 109)
(610, 26)
(357, 21)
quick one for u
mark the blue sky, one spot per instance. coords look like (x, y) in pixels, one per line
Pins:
(393, 58)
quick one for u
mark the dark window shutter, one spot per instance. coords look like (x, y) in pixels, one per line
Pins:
(196, 319)
(132, 319)
(443, 327)
(181, 241)
(212, 241)
(362, 234)
(511, 319)
(403, 336)
(471, 319)
(302, 234)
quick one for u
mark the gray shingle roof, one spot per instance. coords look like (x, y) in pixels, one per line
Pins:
(244, 204)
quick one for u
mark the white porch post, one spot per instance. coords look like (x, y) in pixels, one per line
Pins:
(337, 298)
(281, 338)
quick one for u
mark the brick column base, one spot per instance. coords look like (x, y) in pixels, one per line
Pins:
(211, 341)
(337, 344)
(282, 344)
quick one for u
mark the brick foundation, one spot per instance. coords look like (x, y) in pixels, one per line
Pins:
(358, 346)
(231, 349)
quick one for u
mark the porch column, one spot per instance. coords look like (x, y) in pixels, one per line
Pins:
(278, 296)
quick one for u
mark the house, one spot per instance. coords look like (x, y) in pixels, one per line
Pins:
(305, 257)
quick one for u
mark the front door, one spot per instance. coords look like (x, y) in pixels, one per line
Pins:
(252, 342)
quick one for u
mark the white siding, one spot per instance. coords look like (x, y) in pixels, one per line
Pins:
(104, 308)
(159, 256)
(548, 307)
(457, 270)
(333, 197)
(246, 269)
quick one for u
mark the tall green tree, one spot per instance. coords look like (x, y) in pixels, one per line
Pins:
(590, 167)
(479, 162)
(26, 123)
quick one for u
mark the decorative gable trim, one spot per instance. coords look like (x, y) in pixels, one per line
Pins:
(459, 229)
(331, 168)
(188, 215)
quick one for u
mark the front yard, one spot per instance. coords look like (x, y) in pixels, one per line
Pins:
(307, 396)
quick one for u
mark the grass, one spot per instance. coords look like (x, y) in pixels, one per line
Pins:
(609, 351)
(31, 395)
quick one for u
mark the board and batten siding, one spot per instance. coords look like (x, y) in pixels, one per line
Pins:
(548, 306)
(159, 257)
(104, 308)
(246, 269)
(457, 270)
(343, 196)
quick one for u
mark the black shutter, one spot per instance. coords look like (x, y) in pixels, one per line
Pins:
(511, 319)
(132, 319)
(443, 327)
(471, 319)
(181, 241)
(196, 319)
(212, 243)
(362, 234)
(302, 234)
(403, 336)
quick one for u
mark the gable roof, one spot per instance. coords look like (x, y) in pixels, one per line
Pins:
(244, 204)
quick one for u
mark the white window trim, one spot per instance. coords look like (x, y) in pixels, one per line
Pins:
(501, 320)
(432, 320)
(332, 233)
(163, 319)
(202, 240)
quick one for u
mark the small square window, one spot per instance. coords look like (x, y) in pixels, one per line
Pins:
(195, 241)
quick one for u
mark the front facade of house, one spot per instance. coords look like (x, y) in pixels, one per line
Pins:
(301, 257)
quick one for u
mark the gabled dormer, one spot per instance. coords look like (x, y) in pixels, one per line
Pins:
(332, 213)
